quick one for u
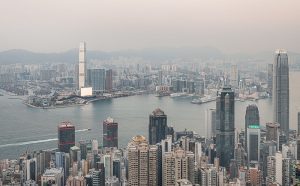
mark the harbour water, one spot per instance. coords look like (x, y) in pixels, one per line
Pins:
(23, 128)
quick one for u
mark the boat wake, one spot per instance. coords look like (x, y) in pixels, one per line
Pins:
(36, 141)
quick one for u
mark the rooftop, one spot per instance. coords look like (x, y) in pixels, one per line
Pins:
(158, 112)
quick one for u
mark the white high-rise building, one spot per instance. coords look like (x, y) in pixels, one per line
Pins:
(82, 65)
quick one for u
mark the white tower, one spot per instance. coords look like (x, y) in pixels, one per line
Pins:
(82, 65)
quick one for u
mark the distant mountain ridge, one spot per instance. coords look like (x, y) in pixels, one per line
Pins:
(158, 54)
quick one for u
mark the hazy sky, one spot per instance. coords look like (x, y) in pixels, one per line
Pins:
(230, 25)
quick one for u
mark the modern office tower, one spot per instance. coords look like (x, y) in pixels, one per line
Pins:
(270, 78)
(272, 132)
(82, 65)
(234, 76)
(142, 162)
(282, 139)
(76, 181)
(281, 90)
(225, 126)
(110, 133)
(254, 176)
(107, 160)
(117, 168)
(298, 123)
(53, 176)
(31, 169)
(160, 77)
(177, 165)
(298, 148)
(157, 126)
(109, 80)
(210, 123)
(96, 79)
(62, 160)
(253, 143)
(66, 136)
(83, 149)
(251, 118)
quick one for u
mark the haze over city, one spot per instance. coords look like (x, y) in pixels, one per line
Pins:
(232, 26)
(149, 93)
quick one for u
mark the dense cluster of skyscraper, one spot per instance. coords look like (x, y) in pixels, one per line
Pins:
(256, 155)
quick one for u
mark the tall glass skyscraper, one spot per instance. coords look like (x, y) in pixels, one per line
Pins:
(281, 90)
(251, 118)
(225, 126)
(66, 136)
(158, 128)
(110, 133)
(96, 79)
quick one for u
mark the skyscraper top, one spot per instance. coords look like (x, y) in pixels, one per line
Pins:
(280, 51)
(109, 120)
(139, 139)
(65, 124)
(82, 45)
(158, 112)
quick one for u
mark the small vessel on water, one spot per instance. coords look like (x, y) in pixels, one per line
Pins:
(205, 99)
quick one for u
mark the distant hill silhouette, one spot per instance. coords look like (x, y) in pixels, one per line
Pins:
(157, 54)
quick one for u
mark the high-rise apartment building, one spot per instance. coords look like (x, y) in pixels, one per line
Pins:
(281, 90)
(142, 162)
(110, 133)
(225, 138)
(66, 136)
(251, 118)
(177, 165)
(158, 128)
(82, 65)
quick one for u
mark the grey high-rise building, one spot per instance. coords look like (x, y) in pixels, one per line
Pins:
(158, 128)
(298, 123)
(96, 79)
(110, 133)
(253, 143)
(270, 78)
(281, 90)
(225, 137)
(251, 118)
